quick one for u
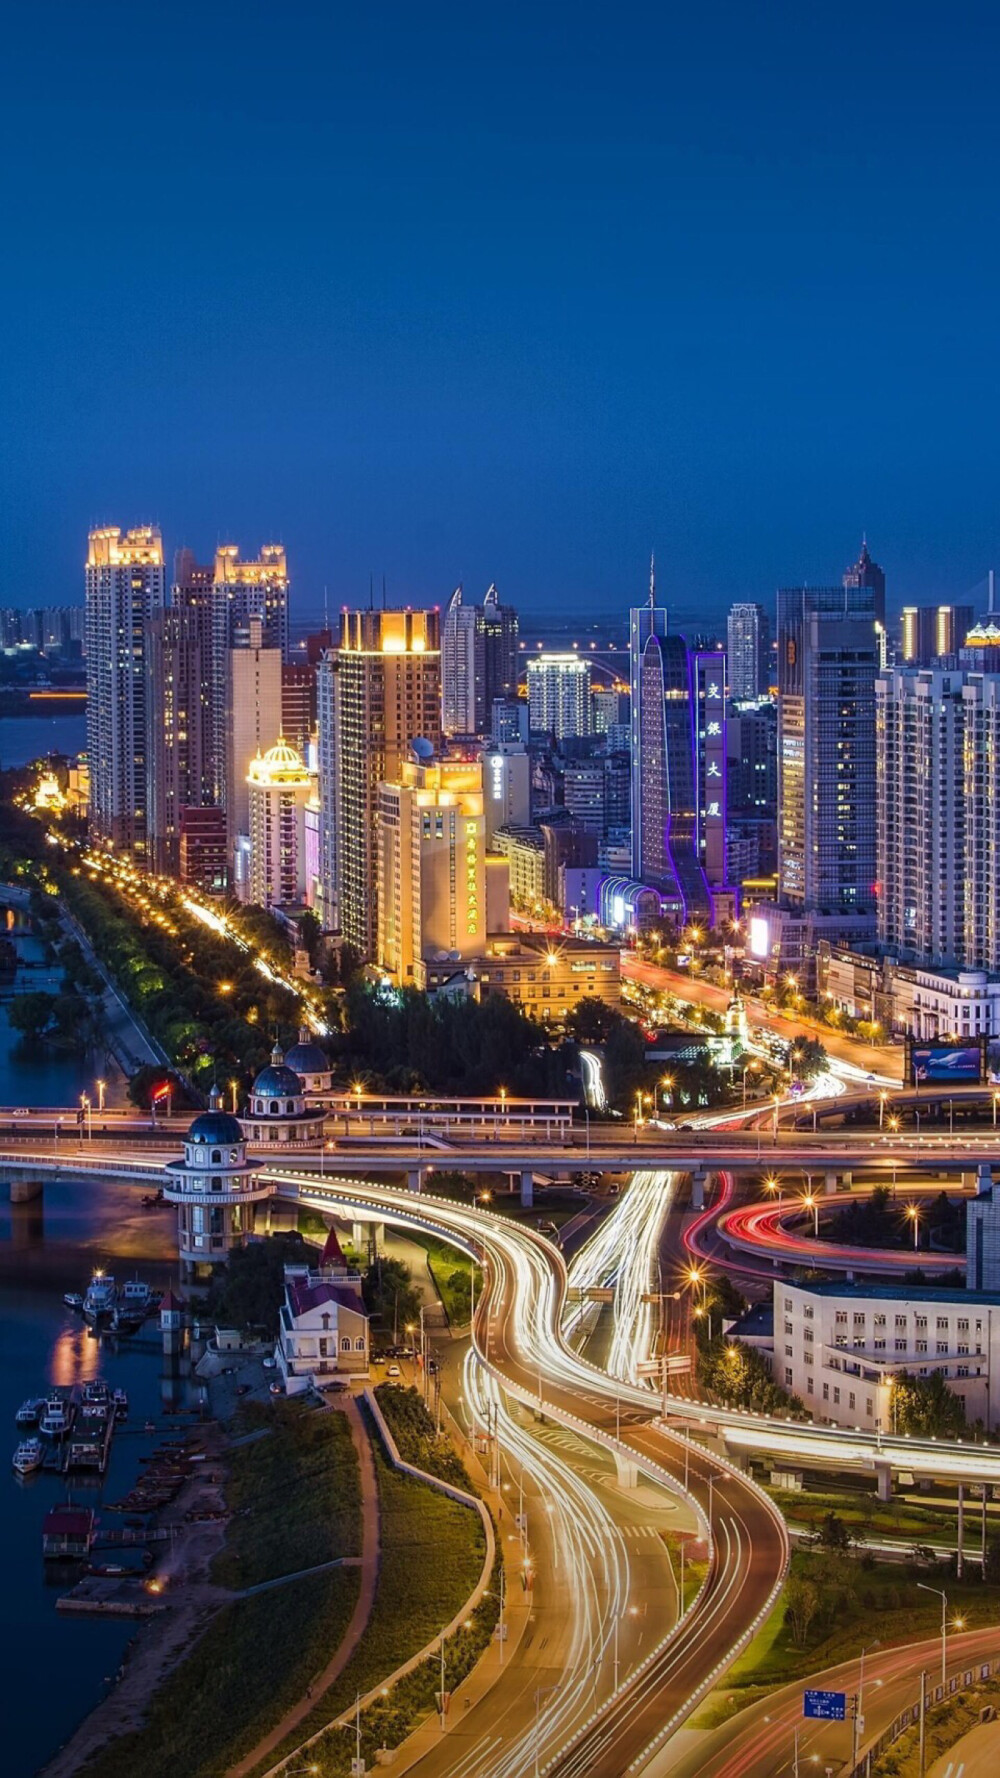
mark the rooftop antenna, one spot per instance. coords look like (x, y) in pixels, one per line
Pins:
(992, 583)
(371, 591)
(326, 608)
(383, 592)
(652, 580)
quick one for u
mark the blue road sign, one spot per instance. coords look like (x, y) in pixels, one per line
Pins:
(830, 1706)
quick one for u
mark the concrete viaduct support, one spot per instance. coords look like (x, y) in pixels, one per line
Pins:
(24, 1191)
(415, 1179)
(626, 1473)
(527, 1188)
(698, 1181)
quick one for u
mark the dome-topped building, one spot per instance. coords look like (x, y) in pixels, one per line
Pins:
(277, 1111)
(311, 1064)
(216, 1190)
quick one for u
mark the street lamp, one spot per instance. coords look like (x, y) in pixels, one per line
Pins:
(101, 1086)
(883, 1096)
(772, 1184)
(811, 1202)
(750, 1068)
(923, 1588)
(85, 1105)
(913, 1213)
(859, 1721)
(234, 1089)
(666, 1087)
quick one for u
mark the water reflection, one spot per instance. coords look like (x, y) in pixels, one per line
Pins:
(75, 1356)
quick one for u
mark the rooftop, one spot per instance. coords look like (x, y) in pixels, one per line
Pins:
(899, 1293)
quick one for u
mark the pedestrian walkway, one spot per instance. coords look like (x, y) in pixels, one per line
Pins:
(322, 1682)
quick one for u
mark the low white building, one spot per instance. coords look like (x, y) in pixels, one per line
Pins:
(933, 1003)
(323, 1327)
(839, 1347)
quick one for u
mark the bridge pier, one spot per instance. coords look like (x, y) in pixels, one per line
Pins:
(698, 1179)
(626, 1473)
(25, 1191)
(883, 1480)
(527, 1188)
(830, 1180)
(415, 1179)
(984, 1179)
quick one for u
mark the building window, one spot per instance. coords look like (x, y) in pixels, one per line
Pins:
(809, 1386)
(826, 1391)
(836, 1397)
(788, 1376)
(345, 1344)
(851, 1400)
(359, 1344)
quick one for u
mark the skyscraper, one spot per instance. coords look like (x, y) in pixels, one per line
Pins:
(748, 640)
(478, 661)
(385, 692)
(664, 765)
(278, 790)
(868, 575)
(462, 663)
(500, 635)
(125, 587)
(242, 590)
(828, 657)
(253, 725)
(559, 695)
(921, 814)
(930, 631)
(177, 647)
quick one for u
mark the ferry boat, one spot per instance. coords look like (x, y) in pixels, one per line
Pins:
(28, 1456)
(56, 1418)
(29, 1411)
(99, 1302)
(72, 1299)
(96, 1391)
(121, 1404)
(136, 1295)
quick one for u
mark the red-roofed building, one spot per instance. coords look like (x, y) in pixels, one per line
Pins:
(323, 1326)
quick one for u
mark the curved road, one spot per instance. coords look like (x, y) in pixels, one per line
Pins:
(518, 1336)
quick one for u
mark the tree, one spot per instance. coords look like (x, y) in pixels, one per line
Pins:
(390, 1294)
(926, 1408)
(833, 1533)
(808, 1058)
(801, 1606)
(251, 1292)
(31, 1014)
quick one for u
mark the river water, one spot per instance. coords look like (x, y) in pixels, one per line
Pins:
(23, 738)
(55, 1668)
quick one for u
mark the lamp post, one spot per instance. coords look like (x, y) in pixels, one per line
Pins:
(85, 1104)
(751, 1068)
(883, 1096)
(102, 1087)
(666, 1087)
(923, 1588)
(234, 1087)
(812, 1203)
(859, 1720)
(913, 1212)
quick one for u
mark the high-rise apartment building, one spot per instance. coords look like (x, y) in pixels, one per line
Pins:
(930, 631)
(439, 893)
(242, 591)
(326, 730)
(383, 693)
(559, 695)
(125, 587)
(177, 645)
(921, 815)
(478, 661)
(748, 651)
(665, 790)
(254, 724)
(828, 657)
(506, 787)
(279, 788)
(981, 697)
(298, 704)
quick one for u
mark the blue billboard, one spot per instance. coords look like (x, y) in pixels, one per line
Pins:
(957, 1064)
(828, 1706)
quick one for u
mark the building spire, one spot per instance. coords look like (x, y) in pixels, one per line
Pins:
(652, 579)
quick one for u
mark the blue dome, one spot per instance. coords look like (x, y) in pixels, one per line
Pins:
(276, 1082)
(308, 1058)
(215, 1126)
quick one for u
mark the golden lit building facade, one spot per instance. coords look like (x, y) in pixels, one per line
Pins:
(280, 787)
(243, 590)
(439, 892)
(125, 587)
(385, 692)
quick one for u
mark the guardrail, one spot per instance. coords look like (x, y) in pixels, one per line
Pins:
(966, 1680)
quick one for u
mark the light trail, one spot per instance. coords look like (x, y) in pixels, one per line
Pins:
(624, 1251)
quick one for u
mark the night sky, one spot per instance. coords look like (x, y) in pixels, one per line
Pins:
(513, 292)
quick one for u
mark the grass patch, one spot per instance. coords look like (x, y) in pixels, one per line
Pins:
(416, 1439)
(865, 1514)
(452, 1275)
(295, 1495)
(251, 1665)
(432, 1556)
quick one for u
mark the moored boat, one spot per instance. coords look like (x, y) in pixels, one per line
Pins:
(56, 1418)
(99, 1302)
(121, 1404)
(29, 1411)
(72, 1299)
(28, 1456)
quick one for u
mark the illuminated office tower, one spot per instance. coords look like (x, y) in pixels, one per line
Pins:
(439, 894)
(921, 814)
(478, 661)
(462, 660)
(125, 588)
(326, 731)
(242, 591)
(748, 650)
(866, 575)
(279, 790)
(930, 631)
(559, 695)
(828, 657)
(506, 787)
(500, 634)
(254, 722)
(665, 776)
(386, 692)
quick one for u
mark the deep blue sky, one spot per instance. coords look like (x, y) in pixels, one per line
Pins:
(507, 292)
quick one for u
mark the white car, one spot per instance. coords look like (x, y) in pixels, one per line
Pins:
(393, 1370)
(269, 1364)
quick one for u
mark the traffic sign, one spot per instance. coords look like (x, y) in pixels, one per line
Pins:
(829, 1706)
